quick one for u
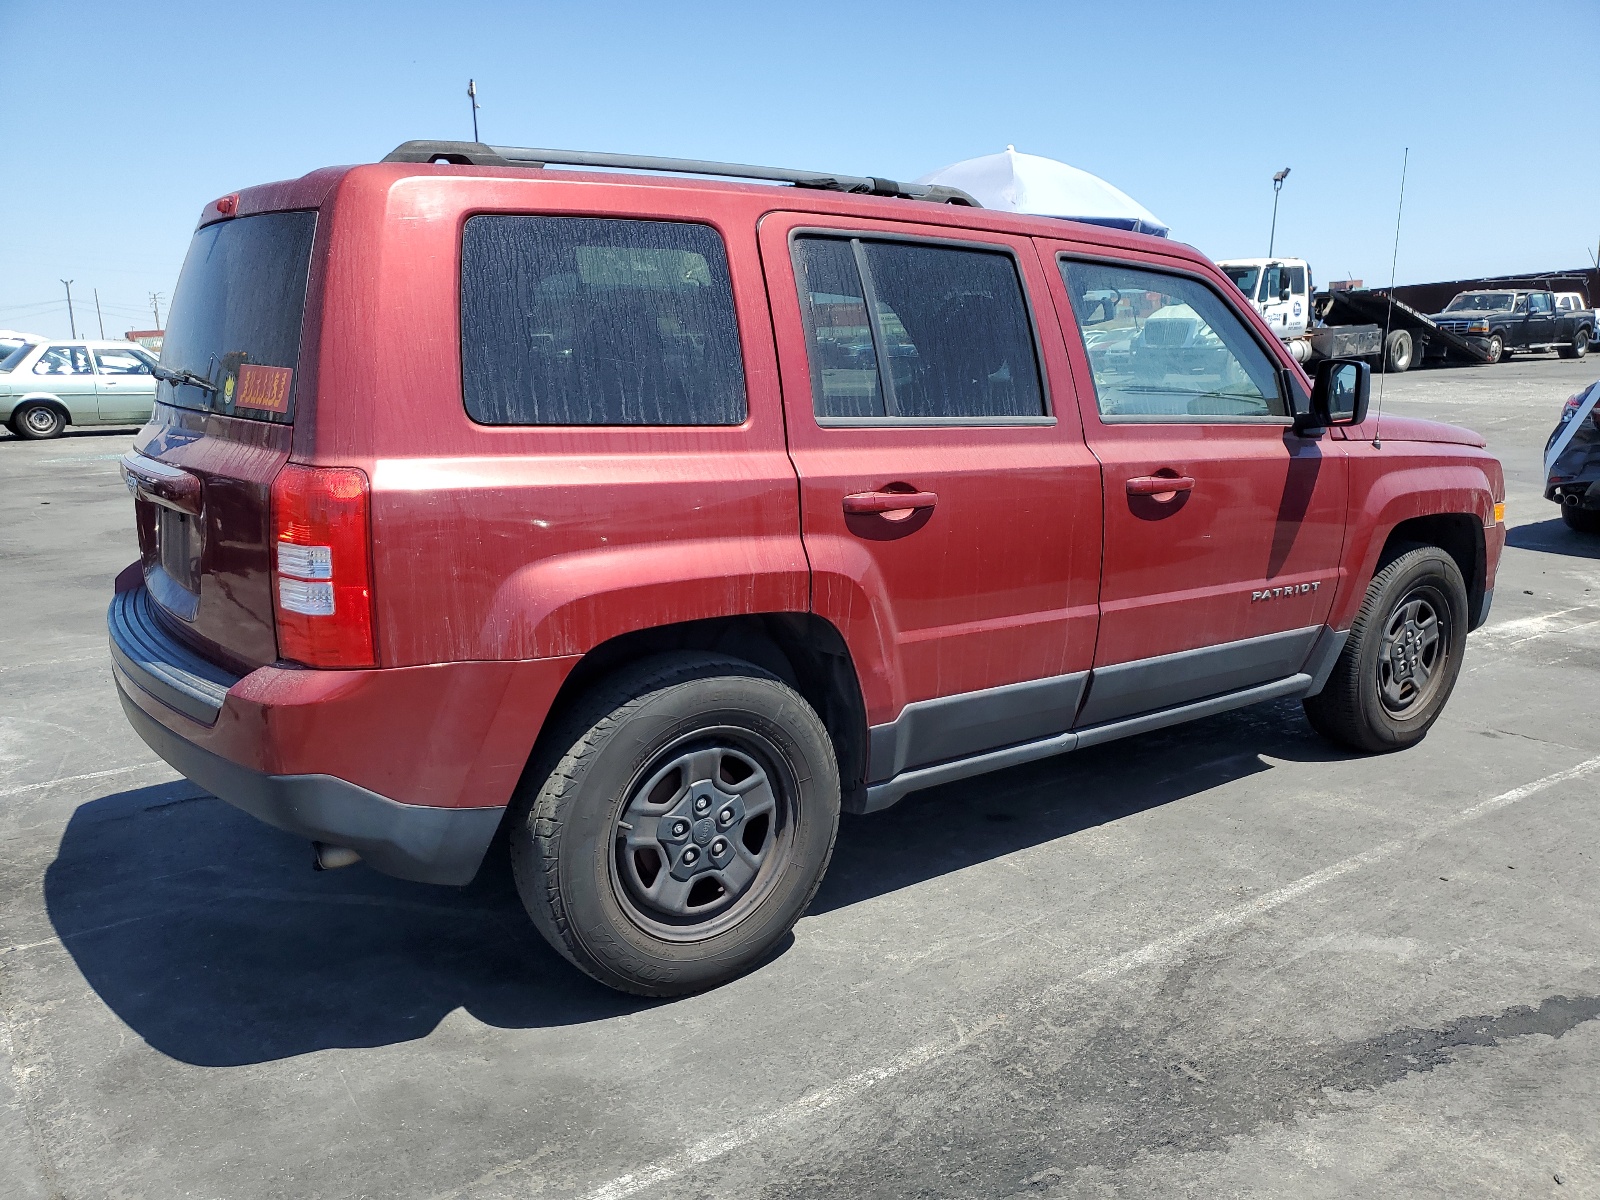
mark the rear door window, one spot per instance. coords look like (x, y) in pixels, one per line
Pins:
(913, 330)
(236, 316)
(63, 360)
(589, 321)
(1167, 348)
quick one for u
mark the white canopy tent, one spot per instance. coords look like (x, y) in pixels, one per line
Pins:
(1027, 183)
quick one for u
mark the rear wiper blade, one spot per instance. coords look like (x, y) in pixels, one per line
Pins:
(168, 375)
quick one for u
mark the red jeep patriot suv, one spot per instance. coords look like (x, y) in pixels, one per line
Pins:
(656, 519)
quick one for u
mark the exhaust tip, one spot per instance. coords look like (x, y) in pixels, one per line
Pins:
(330, 858)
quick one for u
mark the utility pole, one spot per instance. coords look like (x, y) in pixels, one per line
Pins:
(1277, 186)
(97, 314)
(67, 283)
(155, 307)
(472, 94)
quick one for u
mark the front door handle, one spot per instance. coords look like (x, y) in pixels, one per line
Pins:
(884, 503)
(1165, 487)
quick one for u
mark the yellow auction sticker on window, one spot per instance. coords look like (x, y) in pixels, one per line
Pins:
(264, 388)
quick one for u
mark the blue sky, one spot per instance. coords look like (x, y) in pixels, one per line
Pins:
(121, 121)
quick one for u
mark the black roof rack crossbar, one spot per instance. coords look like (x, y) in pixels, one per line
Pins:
(479, 155)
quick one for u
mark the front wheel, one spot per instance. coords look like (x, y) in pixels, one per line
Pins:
(1401, 661)
(1496, 348)
(678, 824)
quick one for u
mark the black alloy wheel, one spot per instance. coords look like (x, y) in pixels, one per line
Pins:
(676, 823)
(1402, 658)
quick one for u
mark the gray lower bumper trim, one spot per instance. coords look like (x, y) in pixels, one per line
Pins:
(161, 665)
(409, 841)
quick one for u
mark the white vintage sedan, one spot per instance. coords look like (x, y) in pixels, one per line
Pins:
(46, 385)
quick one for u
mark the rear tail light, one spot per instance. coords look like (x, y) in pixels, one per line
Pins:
(322, 573)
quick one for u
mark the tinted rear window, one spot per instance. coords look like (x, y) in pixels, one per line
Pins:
(239, 303)
(903, 329)
(585, 321)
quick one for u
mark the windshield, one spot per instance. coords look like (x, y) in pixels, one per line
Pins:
(13, 352)
(1244, 278)
(1481, 302)
(236, 314)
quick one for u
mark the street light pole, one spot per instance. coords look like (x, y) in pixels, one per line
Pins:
(472, 94)
(98, 315)
(67, 283)
(1277, 186)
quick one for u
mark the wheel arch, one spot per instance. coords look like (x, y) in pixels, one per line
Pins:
(1460, 535)
(49, 400)
(804, 650)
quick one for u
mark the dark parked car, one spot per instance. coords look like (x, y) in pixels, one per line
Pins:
(1572, 462)
(1504, 320)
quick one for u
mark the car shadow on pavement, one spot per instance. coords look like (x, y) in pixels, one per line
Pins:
(1553, 537)
(210, 936)
(960, 824)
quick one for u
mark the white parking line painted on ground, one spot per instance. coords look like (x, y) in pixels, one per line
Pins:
(50, 783)
(708, 1149)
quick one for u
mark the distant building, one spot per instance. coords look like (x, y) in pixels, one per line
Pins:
(150, 339)
(1346, 285)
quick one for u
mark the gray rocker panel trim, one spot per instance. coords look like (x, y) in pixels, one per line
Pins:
(882, 795)
(1151, 684)
(408, 841)
(161, 665)
(930, 731)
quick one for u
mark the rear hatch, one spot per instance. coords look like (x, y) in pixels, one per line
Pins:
(234, 335)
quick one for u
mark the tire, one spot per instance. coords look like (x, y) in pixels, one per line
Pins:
(1398, 352)
(1579, 347)
(668, 913)
(1374, 703)
(1497, 348)
(38, 422)
(1581, 520)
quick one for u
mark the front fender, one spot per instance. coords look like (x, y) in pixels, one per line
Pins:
(1391, 493)
(569, 603)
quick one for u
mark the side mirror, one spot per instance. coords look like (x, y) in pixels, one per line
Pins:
(1339, 394)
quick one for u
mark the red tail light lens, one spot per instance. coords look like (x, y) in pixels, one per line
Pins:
(321, 567)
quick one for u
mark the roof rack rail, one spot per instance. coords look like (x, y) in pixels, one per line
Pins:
(479, 155)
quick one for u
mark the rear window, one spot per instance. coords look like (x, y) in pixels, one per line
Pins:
(587, 321)
(236, 315)
(12, 352)
(905, 330)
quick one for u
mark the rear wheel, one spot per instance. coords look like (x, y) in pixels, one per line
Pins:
(1579, 347)
(678, 824)
(1401, 661)
(1398, 351)
(37, 422)
(1581, 520)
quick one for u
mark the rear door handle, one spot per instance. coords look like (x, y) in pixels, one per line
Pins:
(1159, 485)
(886, 502)
(161, 483)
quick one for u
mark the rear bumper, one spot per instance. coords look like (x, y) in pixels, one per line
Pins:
(409, 841)
(410, 766)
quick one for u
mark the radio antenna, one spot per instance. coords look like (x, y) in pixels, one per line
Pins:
(1388, 316)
